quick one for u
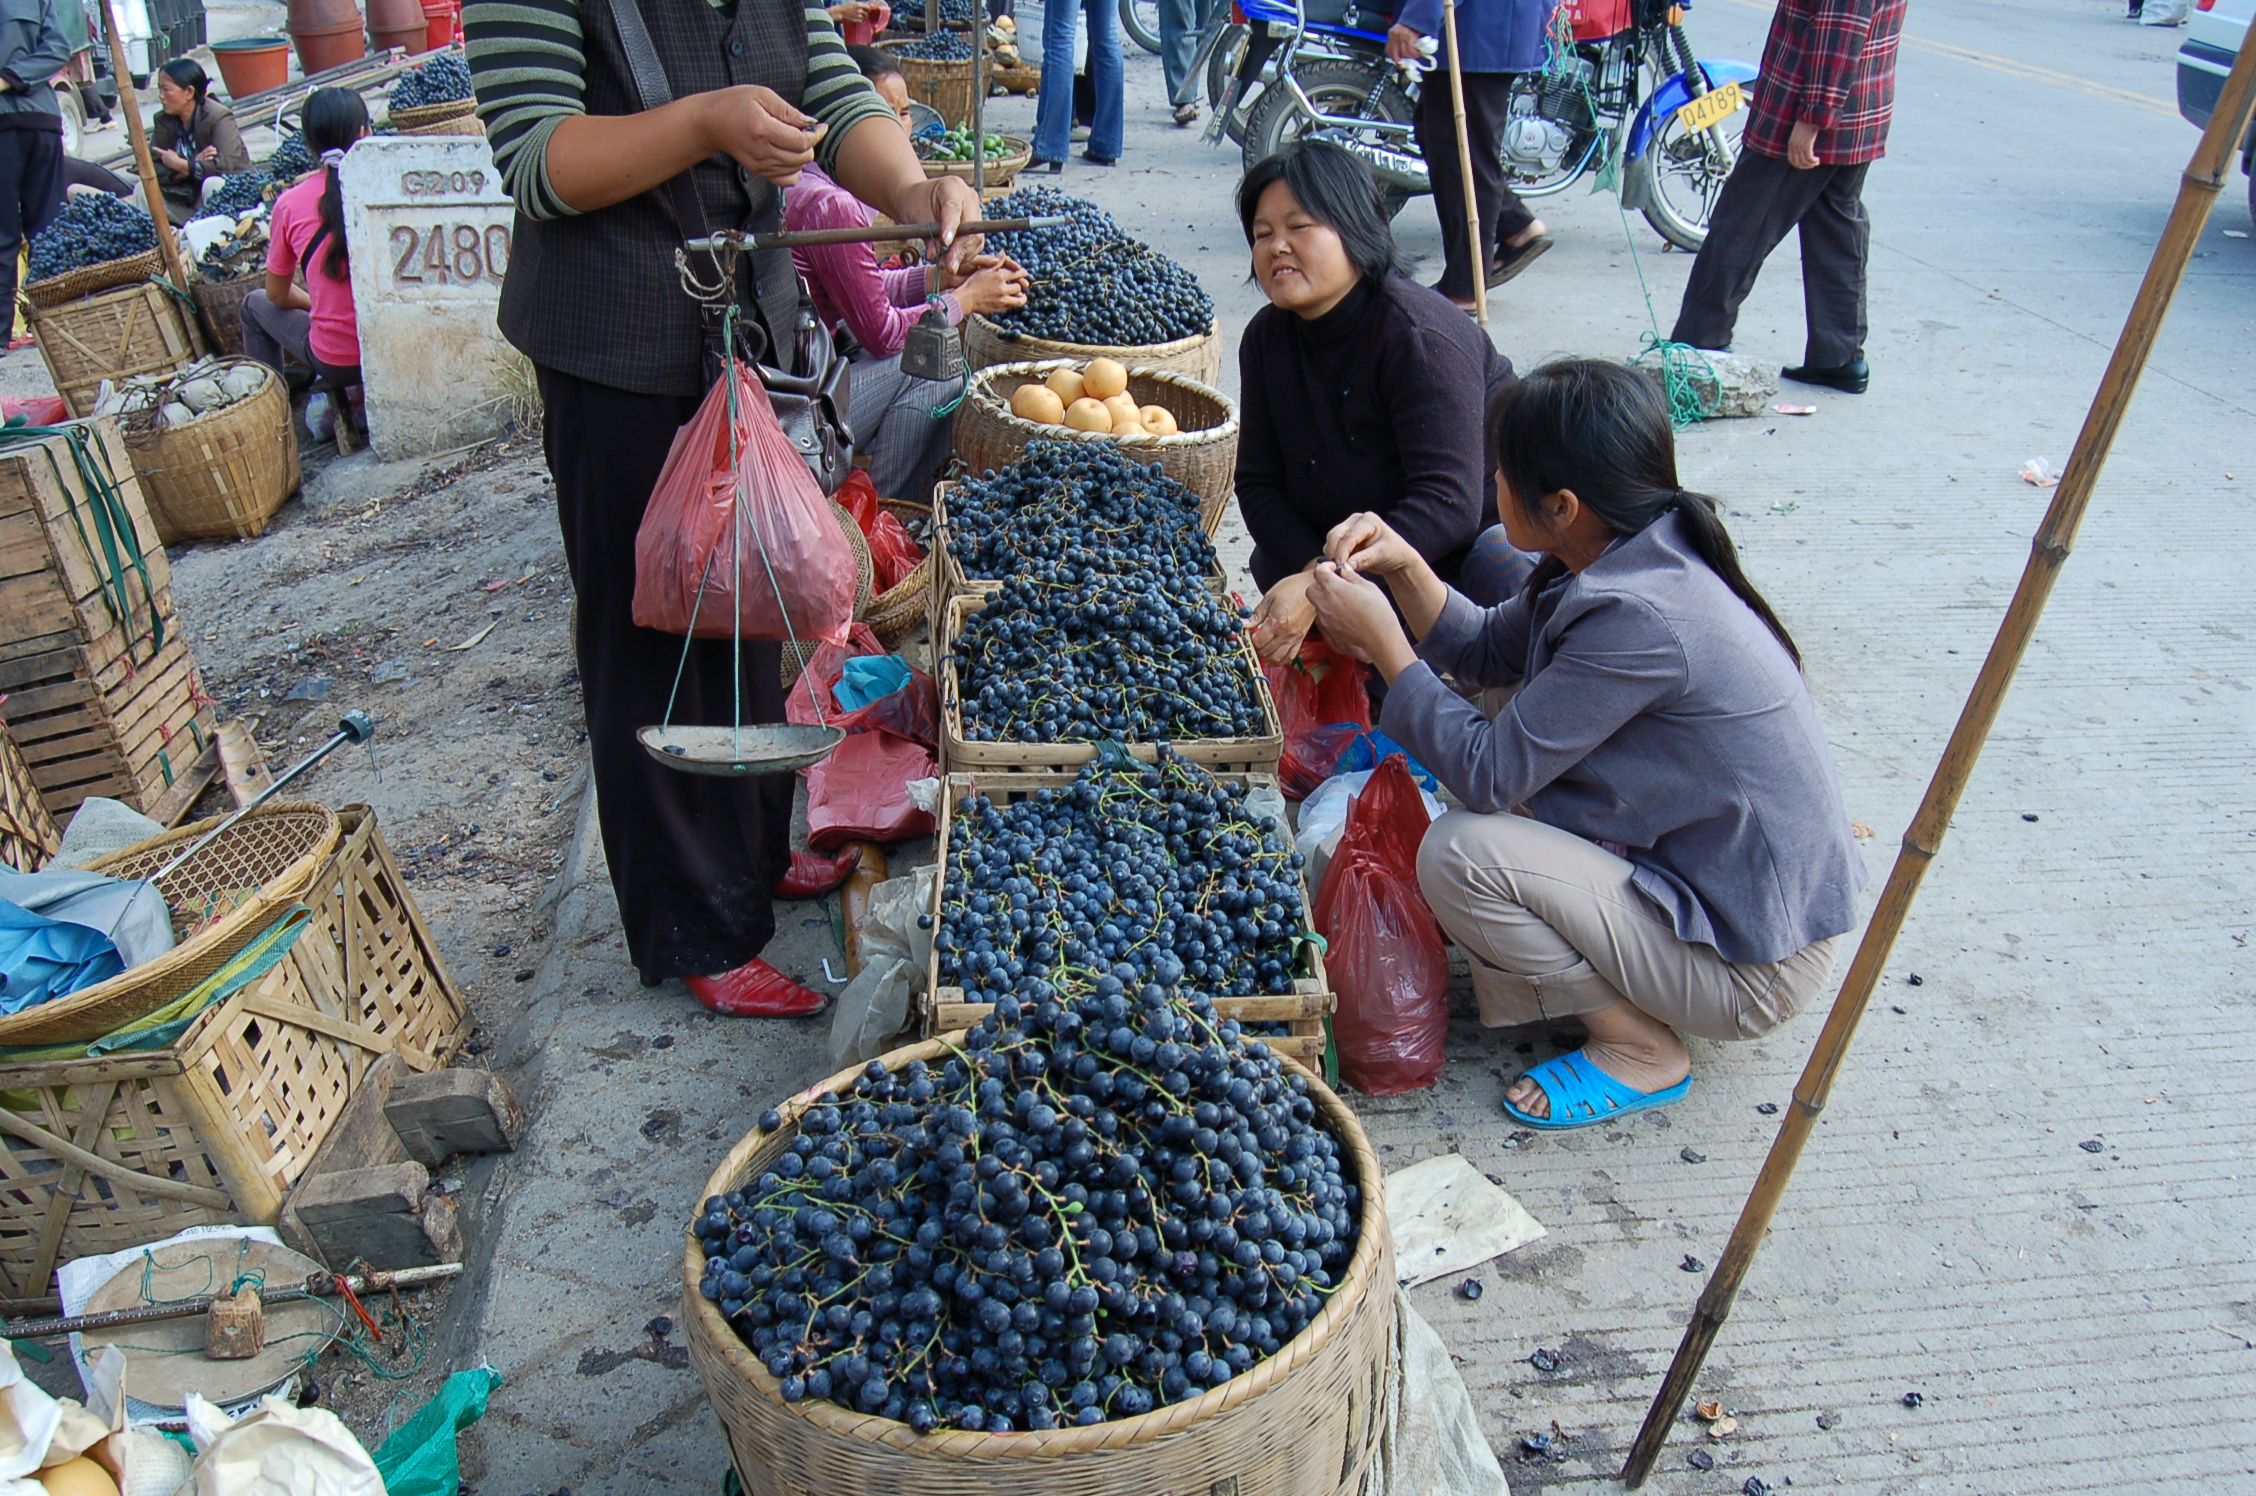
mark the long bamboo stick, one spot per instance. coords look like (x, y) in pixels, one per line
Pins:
(130, 105)
(1473, 254)
(2197, 192)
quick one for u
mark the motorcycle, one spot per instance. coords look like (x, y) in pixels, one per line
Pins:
(1625, 77)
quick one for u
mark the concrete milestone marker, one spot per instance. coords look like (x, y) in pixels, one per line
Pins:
(429, 224)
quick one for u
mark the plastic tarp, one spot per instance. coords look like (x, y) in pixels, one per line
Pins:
(64, 930)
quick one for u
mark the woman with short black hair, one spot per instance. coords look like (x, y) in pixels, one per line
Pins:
(1681, 861)
(194, 140)
(1360, 390)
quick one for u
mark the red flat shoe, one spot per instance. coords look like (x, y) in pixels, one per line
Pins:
(813, 875)
(756, 990)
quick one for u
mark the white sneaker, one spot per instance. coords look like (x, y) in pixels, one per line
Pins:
(1080, 133)
(317, 415)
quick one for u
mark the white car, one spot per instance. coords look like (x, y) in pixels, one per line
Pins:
(2214, 29)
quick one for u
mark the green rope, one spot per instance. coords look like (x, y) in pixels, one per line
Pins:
(115, 546)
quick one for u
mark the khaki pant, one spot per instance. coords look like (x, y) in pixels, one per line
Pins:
(1553, 927)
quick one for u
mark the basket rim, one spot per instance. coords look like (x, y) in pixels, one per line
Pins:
(423, 114)
(1087, 351)
(260, 905)
(1371, 1242)
(104, 275)
(991, 406)
(935, 64)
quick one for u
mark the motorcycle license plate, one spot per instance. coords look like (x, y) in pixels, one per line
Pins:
(1710, 108)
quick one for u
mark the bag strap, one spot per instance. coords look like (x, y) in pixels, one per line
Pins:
(776, 292)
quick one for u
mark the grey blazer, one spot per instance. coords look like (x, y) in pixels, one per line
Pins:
(1660, 715)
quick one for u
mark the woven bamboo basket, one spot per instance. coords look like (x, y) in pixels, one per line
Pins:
(220, 306)
(1202, 456)
(1000, 169)
(460, 124)
(262, 864)
(107, 1152)
(985, 343)
(27, 832)
(114, 335)
(408, 121)
(959, 754)
(1302, 1011)
(944, 87)
(1305, 1422)
(894, 613)
(1015, 78)
(87, 280)
(220, 477)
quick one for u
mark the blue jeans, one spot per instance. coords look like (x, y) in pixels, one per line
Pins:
(1182, 26)
(1053, 120)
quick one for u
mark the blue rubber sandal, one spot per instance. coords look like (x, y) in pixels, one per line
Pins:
(1582, 1094)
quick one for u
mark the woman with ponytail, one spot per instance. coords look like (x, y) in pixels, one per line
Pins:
(306, 311)
(1681, 861)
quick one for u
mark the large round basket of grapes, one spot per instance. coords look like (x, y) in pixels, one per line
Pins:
(1001, 1262)
(937, 69)
(1201, 453)
(989, 342)
(89, 280)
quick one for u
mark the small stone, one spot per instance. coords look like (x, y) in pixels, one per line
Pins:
(1700, 1459)
(2028, 816)
(525, 976)
(1546, 1361)
(390, 672)
(502, 949)
(1898, 1008)
(1913, 1399)
(1767, 1108)
(1756, 1486)
(1691, 1264)
(663, 1041)
(2091, 1145)
(1470, 1290)
(312, 688)
(1828, 1420)
(1691, 1157)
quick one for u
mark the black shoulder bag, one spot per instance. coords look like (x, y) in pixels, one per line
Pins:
(806, 377)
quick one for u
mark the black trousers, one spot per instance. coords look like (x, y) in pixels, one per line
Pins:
(1488, 102)
(31, 195)
(1761, 201)
(692, 856)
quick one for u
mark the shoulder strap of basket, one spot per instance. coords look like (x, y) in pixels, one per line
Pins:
(776, 293)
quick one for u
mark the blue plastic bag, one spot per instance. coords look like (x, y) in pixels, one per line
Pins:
(1369, 748)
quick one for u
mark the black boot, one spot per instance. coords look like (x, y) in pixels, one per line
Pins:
(1849, 378)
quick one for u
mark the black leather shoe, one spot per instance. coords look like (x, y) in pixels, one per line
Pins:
(1045, 166)
(1849, 379)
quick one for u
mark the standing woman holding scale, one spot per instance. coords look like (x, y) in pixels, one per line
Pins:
(743, 94)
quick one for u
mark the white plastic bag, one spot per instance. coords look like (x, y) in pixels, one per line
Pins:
(1323, 816)
(875, 1005)
(278, 1450)
(2163, 13)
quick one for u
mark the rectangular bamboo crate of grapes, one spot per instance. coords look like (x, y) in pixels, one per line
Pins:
(108, 1152)
(948, 579)
(101, 690)
(1302, 1011)
(1254, 755)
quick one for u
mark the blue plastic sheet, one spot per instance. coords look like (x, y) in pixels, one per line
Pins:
(64, 930)
(868, 678)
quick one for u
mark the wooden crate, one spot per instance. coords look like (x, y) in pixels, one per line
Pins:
(1303, 1010)
(115, 335)
(102, 693)
(104, 1153)
(1257, 755)
(27, 833)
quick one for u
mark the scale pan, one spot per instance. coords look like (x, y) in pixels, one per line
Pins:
(730, 752)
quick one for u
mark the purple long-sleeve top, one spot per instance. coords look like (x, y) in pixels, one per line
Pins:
(1660, 714)
(877, 305)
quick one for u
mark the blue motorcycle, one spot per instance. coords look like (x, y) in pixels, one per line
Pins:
(1624, 74)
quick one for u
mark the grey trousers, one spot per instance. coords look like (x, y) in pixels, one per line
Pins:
(891, 413)
(1553, 927)
(1761, 201)
(270, 331)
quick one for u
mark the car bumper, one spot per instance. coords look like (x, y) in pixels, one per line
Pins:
(2201, 78)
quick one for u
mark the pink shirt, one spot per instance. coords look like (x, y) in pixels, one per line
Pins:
(878, 306)
(335, 334)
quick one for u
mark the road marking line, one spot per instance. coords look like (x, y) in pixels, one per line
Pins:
(2018, 69)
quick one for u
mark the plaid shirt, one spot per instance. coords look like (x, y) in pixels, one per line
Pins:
(1832, 63)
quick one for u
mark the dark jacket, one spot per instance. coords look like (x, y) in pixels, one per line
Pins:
(211, 125)
(1377, 405)
(32, 50)
(1499, 36)
(1660, 714)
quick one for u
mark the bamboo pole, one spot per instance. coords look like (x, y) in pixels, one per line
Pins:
(2197, 192)
(142, 160)
(1465, 166)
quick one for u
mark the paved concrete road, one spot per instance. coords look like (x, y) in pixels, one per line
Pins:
(2074, 1319)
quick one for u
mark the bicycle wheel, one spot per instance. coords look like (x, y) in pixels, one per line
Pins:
(1680, 174)
(1140, 19)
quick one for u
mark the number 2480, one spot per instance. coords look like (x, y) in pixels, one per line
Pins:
(449, 253)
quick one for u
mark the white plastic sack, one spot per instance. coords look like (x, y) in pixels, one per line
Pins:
(1433, 1445)
(2163, 13)
(875, 1005)
(278, 1450)
(1323, 816)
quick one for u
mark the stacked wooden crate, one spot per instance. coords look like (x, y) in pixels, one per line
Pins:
(101, 691)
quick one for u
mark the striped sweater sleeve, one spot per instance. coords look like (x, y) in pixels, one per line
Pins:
(529, 63)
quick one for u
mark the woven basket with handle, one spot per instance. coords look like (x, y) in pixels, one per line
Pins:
(220, 304)
(259, 867)
(1202, 456)
(894, 613)
(221, 476)
(1304, 1422)
(72, 285)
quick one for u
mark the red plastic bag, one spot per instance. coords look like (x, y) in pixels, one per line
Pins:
(1319, 691)
(861, 792)
(1385, 957)
(894, 552)
(911, 712)
(37, 410)
(717, 530)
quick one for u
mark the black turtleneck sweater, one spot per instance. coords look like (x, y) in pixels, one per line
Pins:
(1376, 405)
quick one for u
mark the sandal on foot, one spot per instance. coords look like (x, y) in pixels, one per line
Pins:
(1511, 259)
(1581, 1094)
